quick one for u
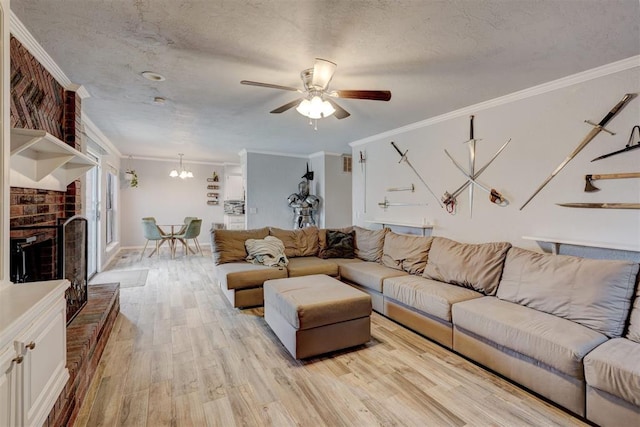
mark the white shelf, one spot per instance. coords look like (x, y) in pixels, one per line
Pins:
(40, 160)
(557, 242)
(384, 222)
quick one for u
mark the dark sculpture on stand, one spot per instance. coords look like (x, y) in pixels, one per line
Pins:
(304, 205)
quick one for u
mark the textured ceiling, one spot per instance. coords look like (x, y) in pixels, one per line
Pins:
(434, 56)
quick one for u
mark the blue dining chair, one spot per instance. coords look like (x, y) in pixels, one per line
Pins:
(191, 232)
(151, 231)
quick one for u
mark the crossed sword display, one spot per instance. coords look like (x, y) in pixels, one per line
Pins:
(449, 199)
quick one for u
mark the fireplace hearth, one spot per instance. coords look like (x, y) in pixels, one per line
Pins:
(47, 252)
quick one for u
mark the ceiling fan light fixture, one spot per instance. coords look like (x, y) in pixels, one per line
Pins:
(323, 71)
(316, 108)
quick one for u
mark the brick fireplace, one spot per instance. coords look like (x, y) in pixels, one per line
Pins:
(39, 102)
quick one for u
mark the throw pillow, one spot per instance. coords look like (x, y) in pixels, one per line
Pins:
(339, 244)
(405, 252)
(369, 243)
(478, 266)
(268, 251)
(322, 239)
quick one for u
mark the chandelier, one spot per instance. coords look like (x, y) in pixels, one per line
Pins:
(182, 172)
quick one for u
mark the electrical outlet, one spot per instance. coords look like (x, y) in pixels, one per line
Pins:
(253, 211)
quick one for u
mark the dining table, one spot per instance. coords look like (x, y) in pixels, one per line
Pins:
(175, 229)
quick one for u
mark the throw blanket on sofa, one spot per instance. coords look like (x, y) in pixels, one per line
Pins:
(268, 251)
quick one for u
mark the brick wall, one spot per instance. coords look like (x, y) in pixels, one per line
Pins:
(38, 101)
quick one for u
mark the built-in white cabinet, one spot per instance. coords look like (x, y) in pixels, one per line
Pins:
(33, 351)
(234, 189)
(234, 222)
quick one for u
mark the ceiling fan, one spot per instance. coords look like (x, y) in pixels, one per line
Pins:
(316, 102)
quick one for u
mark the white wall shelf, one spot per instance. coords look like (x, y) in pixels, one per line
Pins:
(383, 222)
(40, 160)
(558, 241)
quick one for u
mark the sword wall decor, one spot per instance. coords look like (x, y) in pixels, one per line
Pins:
(449, 199)
(385, 204)
(601, 205)
(630, 145)
(597, 128)
(363, 169)
(403, 157)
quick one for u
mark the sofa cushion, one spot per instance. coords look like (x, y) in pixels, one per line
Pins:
(633, 333)
(426, 295)
(305, 266)
(368, 274)
(339, 244)
(242, 275)
(475, 266)
(369, 243)
(404, 252)
(322, 238)
(594, 293)
(614, 367)
(229, 244)
(301, 242)
(548, 339)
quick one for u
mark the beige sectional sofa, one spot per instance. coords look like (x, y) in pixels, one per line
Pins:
(560, 326)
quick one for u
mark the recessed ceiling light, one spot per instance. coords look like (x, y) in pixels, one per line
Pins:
(159, 100)
(154, 77)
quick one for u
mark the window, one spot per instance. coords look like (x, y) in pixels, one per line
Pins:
(110, 207)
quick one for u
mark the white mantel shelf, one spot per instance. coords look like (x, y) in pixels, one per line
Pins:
(40, 160)
(384, 222)
(558, 241)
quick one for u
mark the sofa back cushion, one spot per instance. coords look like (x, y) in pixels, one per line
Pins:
(369, 243)
(406, 253)
(595, 293)
(229, 244)
(474, 266)
(302, 242)
(634, 321)
(322, 239)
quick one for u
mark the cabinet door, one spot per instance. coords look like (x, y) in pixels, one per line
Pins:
(8, 393)
(44, 371)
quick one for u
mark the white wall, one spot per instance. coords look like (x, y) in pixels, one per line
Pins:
(318, 187)
(337, 196)
(167, 199)
(544, 129)
(270, 180)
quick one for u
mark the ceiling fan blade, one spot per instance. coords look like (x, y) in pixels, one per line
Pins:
(322, 73)
(286, 106)
(340, 112)
(373, 95)
(269, 85)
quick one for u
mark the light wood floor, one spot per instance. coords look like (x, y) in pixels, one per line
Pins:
(180, 356)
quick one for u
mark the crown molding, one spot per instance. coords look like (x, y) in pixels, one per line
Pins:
(584, 76)
(274, 153)
(171, 160)
(98, 137)
(20, 32)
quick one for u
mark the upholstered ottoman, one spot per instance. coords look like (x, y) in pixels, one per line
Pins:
(316, 314)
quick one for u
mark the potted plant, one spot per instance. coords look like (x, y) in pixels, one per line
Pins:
(131, 176)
